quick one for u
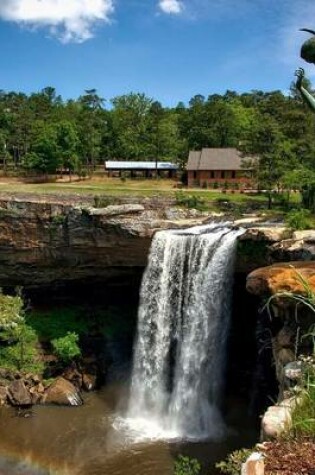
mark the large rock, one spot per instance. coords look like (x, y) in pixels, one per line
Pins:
(18, 394)
(292, 250)
(277, 419)
(264, 233)
(282, 277)
(62, 392)
(254, 465)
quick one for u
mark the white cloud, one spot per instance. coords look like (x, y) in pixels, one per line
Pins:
(69, 20)
(171, 6)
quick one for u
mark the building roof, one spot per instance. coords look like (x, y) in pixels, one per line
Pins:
(134, 165)
(216, 159)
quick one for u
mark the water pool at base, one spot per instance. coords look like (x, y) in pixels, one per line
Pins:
(82, 441)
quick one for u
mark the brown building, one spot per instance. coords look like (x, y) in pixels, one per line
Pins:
(219, 168)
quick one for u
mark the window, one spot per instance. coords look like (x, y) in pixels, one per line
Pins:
(233, 174)
(212, 174)
(222, 174)
(195, 175)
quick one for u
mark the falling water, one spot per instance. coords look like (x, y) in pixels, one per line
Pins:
(182, 327)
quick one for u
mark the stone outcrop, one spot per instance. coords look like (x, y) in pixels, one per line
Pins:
(42, 243)
(285, 282)
(18, 394)
(282, 277)
(20, 389)
(264, 233)
(62, 392)
(49, 240)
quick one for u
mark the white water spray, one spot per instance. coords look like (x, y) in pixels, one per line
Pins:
(183, 321)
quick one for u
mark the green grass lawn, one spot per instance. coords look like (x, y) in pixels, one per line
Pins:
(115, 187)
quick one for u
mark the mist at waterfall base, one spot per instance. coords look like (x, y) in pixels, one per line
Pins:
(183, 322)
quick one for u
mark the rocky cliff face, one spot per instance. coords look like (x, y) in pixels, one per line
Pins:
(52, 241)
(45, 243)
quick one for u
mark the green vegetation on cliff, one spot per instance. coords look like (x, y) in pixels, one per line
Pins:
(19, 343)
(26, 337)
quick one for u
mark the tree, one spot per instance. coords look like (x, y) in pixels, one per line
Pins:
(130, 121)
(44, 154)
(67, 145)
(91, 122)
(273, 151)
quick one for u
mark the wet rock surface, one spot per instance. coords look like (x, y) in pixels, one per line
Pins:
(63, 393)
(18, 394)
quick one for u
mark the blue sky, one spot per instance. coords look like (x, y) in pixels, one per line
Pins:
(168, 49)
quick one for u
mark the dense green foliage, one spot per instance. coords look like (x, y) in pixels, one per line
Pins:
(66, 348)
(186, 466)
(44, 134)
(18, 341)
(299, 219)
(25, 336)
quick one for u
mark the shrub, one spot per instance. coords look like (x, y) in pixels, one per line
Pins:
(233, 463)
(299, 219)
(186, 466)
(66, 348)
(21, 354)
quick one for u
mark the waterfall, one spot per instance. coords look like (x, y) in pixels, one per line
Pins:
(183, 321)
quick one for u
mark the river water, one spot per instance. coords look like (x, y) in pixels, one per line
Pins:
(83, 441)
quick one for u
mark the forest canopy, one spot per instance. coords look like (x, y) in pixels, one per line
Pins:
(42, 133)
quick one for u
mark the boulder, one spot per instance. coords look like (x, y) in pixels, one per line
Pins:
(89, 382)
(282, 277)
(62, 392)
(18, 394)
(254, 465)
(277, 419)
